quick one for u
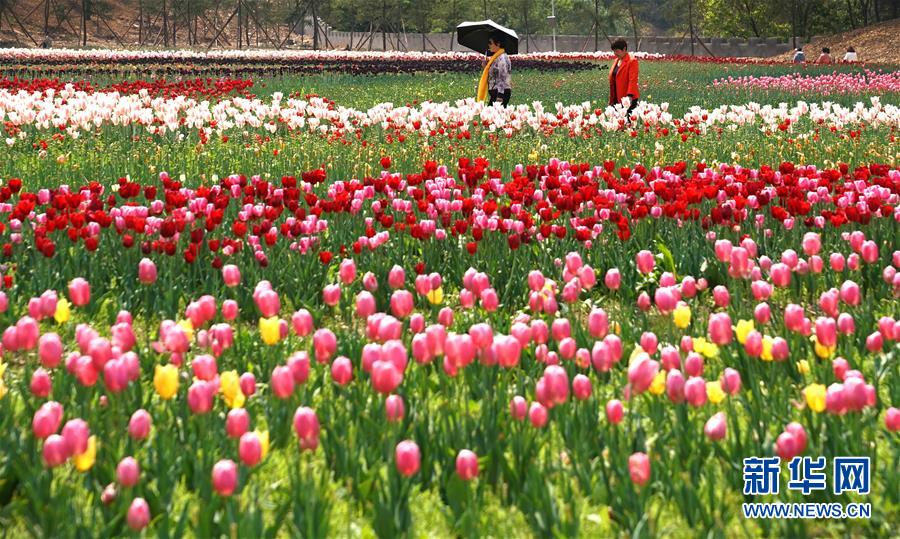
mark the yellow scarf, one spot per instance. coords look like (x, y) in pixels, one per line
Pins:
(483, 83)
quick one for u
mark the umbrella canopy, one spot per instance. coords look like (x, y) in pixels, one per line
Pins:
(475, 34)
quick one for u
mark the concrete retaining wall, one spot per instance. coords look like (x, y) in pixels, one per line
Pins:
(716, 46)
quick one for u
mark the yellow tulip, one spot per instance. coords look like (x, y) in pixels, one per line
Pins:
(815, 397)
(188, 329)
(270, 330)
(705, 348)
(165, 380)
(766, 354)
(658, 385)
(714, 392)
(3, 389)
(803, 366)
(230, 385)
(63, 312)
(682, 316)
(436, 296)
(85, 461)
(824, 352)
(743, 328)
(263, 442)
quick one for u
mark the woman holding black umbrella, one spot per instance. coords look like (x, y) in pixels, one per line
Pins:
(495, 80)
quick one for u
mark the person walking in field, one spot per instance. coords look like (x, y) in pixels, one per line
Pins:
(623, 77)
(495, 80)
(825, 57)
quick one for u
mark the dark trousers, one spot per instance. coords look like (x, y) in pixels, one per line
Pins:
(504, 96)
(634, 103)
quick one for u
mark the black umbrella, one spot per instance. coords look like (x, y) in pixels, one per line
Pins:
(475, 34)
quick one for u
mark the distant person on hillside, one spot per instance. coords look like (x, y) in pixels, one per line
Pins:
(850, 57)
(495, 80)
(623, 77)
(825, 57)
(799, 57)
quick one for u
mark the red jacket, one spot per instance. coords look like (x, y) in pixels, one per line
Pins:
(624, 82)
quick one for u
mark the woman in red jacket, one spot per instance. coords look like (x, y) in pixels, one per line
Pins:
(623, 77)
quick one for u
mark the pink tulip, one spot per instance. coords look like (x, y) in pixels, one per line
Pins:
(482, 335)
(508, 350)
(639, 468)
(417, 323)
(850, 293)
(780, 350)
(675, 386)
(598, 323)
(229, 309)
(225, 477)
(139, 424)
(347, 271)
(643, 302)
(581, 387)
(762, 313)
(695, 391)
(869, 252)
(79, 292)
(721, 297)
(811, 243)
(370, 282)
(331, 294)
(874, 342)
(55, 451)
(396, 277)
(325, 344)
(649, 342)
(693, 364)
(282, 382)
(799, 433)
(612, 279)
(719, 328)
(128, 472)
(407, 458)
(146, 271)
(204, 367)
(394, 408)
(41, 385)
(50, 350)
(342, 371)
(250, 449)
(731, 381)
(298, 364)
(716, 427)
(836, 261)
(401, 303)
(27, 332)
(645, 261)
(306, 426)
(518, 408)
(780, 274)
(302, 321)
(466, 465)
(845, 324)
(892, 419)
(614, 411)
(365, 304)
(231, 274)
(641, 373)
(385, 377)
(489, 300)
(47, 419)
(794, 317)
(723, 250)
(247, 383)
(538, 415)
(826, 331)
(268, 303)
(201, 396)
(237, 422)
(535, 280)
(138, 516)
(786, 446)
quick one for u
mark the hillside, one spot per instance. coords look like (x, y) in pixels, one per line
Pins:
(875, 43)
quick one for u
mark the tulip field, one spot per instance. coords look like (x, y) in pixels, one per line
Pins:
(303, 294)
